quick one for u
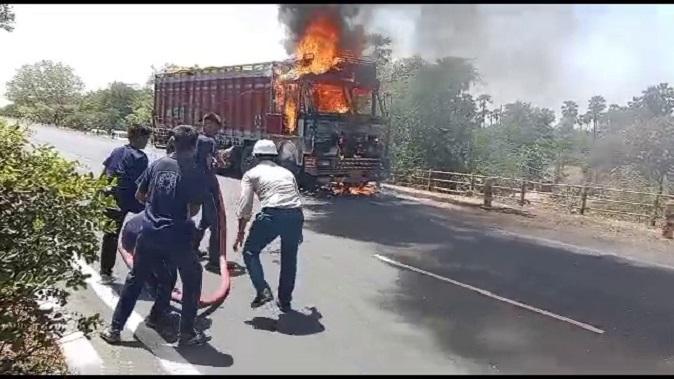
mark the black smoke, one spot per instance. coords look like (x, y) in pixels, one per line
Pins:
(297, 17)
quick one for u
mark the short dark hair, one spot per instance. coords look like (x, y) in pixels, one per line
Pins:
(185, 138)
(138, 130)
(212, 116)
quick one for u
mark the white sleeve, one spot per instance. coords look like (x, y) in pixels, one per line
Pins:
(245, 208)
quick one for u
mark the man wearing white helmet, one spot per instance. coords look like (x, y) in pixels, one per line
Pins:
(281, 215)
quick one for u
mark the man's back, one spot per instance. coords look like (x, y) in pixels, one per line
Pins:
(127, 164)
(274, 185)
(171, 186)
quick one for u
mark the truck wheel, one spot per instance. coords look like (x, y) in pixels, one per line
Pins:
(246, 159)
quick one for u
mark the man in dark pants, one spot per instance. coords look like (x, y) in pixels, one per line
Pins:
(126, 164)
(281, 215)
(207, 159)
(172, 189)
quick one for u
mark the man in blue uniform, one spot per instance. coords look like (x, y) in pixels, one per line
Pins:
(172, 189)
(207, 159)
(126, 164)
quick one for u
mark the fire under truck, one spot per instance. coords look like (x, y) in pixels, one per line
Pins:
(331, 124)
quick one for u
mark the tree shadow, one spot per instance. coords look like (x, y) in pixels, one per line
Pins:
(292, 323)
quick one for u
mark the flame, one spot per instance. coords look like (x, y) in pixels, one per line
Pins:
(330, 98)
(319, 46)
(318, 52)
(365, 189)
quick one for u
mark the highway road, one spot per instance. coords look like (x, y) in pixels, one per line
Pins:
(393, 285)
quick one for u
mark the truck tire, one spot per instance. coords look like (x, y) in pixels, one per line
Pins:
(246, 162)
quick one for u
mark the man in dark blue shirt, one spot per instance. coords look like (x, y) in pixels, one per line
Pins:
(172, 189)
(126, 164)
(207, 159)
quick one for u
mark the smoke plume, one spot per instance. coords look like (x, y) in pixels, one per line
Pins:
(296, 18)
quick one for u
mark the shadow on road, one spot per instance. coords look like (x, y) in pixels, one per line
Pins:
(384, 219)
(205, 355)
(293, 323)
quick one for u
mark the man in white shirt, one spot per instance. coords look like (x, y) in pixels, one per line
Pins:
(281, 215)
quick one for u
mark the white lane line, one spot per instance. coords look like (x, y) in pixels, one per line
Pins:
(80, 354)
(491, 295)
(110, 298)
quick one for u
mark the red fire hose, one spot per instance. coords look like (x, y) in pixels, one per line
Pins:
(221, 293)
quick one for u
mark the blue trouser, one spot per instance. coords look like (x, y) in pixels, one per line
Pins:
(148, 257)
(209, 219)
(269, 224)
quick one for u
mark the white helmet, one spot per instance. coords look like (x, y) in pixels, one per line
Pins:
(265, 147)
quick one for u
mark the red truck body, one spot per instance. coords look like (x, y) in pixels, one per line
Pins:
(326, 146)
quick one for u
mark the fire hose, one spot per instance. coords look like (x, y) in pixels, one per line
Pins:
(223, 290)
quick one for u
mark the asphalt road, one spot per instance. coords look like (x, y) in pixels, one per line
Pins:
(519, 305)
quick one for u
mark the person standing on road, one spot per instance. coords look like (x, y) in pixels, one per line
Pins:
(172, 189)
(281, 215)
(126, 164)
(207, 159)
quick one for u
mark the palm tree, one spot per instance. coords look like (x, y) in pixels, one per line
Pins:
(595, 107)
(482, 101)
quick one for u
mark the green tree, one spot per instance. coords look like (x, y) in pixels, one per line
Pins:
(570, 112)
(655, 101)
(7, 17)
(483, 101)
(51, 217)
(595, 108)
(45, 91)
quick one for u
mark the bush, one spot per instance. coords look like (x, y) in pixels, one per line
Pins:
(49, 217)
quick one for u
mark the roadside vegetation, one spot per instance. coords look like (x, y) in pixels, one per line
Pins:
(50, 218)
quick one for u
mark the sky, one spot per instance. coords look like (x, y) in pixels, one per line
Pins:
(612, 50)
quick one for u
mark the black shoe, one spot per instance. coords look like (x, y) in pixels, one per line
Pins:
(283, 307)
(159, 323)
(213, 267)
(192, 339)
(111, 336)
(262, 298)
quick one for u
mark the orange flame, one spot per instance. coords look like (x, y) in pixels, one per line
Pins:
(366, 189)
(319, 46)
(318, 52)
(330, 98)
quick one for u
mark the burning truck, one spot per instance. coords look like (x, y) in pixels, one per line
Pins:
(322, 108)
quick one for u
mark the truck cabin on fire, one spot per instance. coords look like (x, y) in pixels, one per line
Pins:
(336, 109)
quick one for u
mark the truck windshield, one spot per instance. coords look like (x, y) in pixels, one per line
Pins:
(329, 98)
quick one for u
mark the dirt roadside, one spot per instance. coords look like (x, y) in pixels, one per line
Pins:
(638, 243)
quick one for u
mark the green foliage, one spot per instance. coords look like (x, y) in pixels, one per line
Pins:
(7, 17)
(432, 115)
(50, 216)
(655, 101)
(45, 91)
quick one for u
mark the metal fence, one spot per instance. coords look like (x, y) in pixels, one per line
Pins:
(580, 199)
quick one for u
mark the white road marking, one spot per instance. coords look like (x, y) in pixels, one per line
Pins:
(491, 295)
(110, 298)
(80, 354)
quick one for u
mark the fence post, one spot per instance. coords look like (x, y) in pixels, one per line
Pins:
(656, 204)
(472, 184)
(523, 192)
(428, 184)
(488, 183)
(583, 199)
(668, 228)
